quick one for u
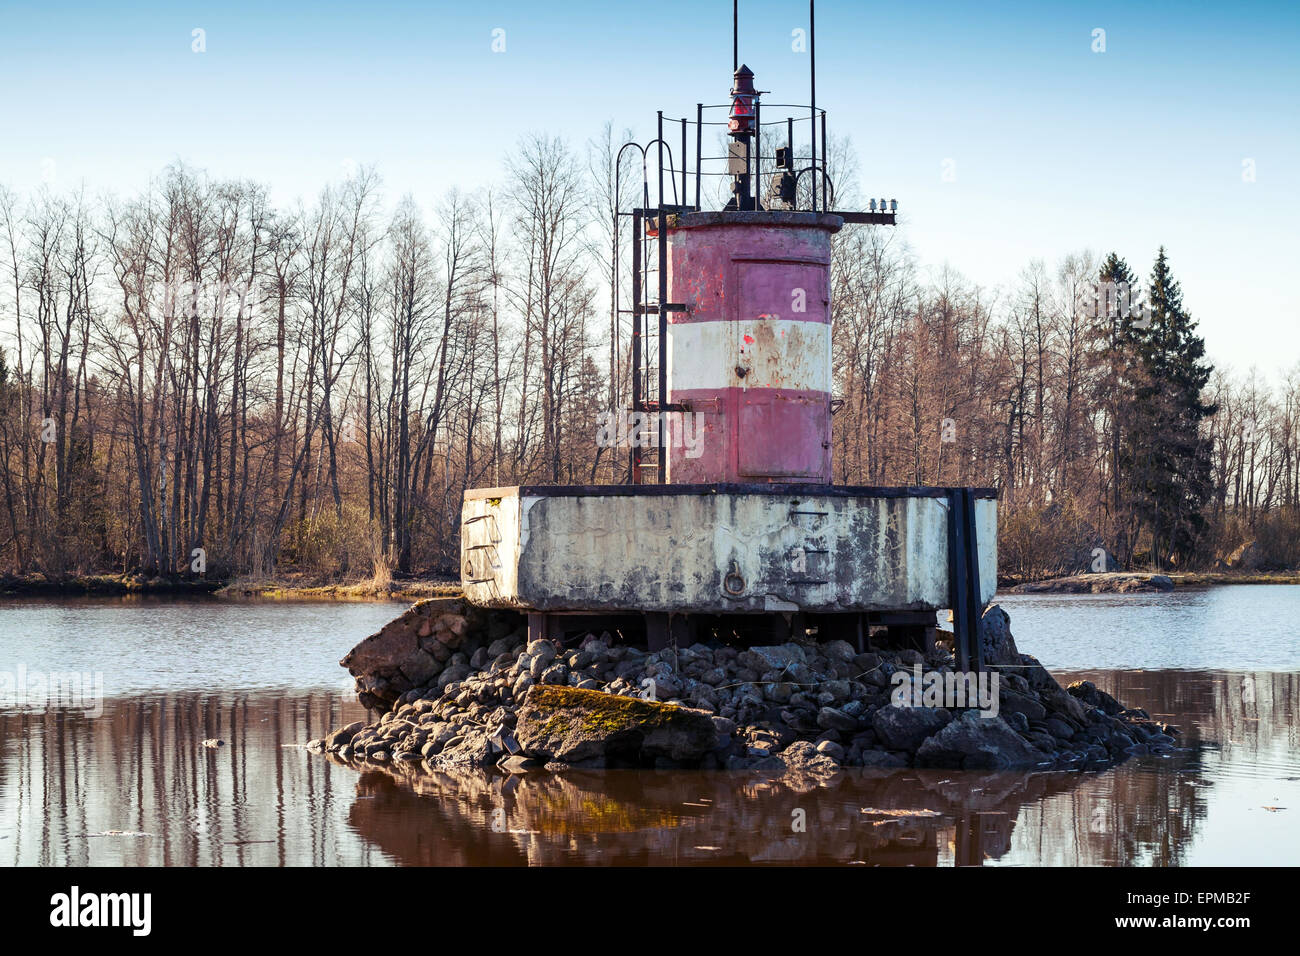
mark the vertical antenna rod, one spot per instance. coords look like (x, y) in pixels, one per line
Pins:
(735, 35)
(661, 244)
(812, 118)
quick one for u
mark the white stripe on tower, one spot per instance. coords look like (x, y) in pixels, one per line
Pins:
(775, 353)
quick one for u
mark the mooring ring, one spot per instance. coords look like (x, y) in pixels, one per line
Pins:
(734, 575)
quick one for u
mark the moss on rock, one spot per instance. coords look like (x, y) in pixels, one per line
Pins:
(573, 724)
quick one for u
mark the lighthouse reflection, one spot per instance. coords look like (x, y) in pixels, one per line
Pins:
(1146, 812)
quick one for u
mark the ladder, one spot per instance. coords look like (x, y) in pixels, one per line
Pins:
(647, 457)
(649, 315)
(648, 462)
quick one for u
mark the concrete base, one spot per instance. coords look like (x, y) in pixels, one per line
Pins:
(716, 549)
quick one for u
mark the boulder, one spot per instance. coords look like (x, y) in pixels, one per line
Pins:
(573, 725)
(419, 668)
(1059, 729)
(1086, 691)
(474, 748)
(779, 656)
(342, 736)
(904, 728)
(724, 728)
(1013, 702)
(828, 718)
(409, 653)
(974, 742)
(396, 641)
(999, 646)
(438, 738)
(840, 651)
(541, 653)
(801, 757)
(831, 749)
(1058, 701)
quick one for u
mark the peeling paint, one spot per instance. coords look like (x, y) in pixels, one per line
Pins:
(759, 322)
(675, 552)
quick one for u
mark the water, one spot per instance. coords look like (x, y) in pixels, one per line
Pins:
(1236, 627)
(151, 645)
(135, 785)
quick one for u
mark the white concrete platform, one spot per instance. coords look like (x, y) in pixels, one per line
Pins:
(716, 549)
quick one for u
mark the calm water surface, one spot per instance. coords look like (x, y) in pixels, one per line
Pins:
(135, 786)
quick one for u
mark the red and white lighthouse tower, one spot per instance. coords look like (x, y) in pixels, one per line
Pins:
(750, 356)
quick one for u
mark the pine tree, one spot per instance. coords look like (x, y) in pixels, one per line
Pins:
(1165, 466)
(1117, 290)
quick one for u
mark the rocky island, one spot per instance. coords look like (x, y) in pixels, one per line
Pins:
(458, 687)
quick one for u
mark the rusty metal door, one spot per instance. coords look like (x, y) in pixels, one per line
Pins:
(781, 338)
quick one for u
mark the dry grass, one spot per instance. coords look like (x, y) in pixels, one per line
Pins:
(380, 586)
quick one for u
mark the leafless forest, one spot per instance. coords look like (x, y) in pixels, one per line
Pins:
(314, 387)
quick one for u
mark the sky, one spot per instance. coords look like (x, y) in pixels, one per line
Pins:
(1006, 131)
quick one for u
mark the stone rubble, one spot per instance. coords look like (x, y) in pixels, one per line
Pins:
(462, 688)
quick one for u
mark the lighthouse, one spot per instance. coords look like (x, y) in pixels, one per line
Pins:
(740, 535)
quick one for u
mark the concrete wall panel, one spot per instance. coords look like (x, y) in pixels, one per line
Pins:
(715, 553)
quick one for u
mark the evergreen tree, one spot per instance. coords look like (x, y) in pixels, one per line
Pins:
(1117, 290)
(1164, 462)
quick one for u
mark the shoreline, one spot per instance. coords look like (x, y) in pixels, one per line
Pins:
(1129, 582)
(290, 588)
(296, 587)
(276, 589)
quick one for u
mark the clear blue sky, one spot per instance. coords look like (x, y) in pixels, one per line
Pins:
(1054, 147)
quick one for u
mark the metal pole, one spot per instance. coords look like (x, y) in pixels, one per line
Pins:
(636, 336)
(825, 162)
(957, 579)
(699, 141)
(812, 116)
(789, 145)
(663, 313)
(974, 607)
(660, 140)
(613, 310)
(758, 152)
(735, 35)
(683, 200)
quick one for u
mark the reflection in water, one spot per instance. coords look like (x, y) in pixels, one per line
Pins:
(900, 818)
(137, 787)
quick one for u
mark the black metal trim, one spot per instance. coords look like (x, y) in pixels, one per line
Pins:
(964, 580)
(778, 490)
